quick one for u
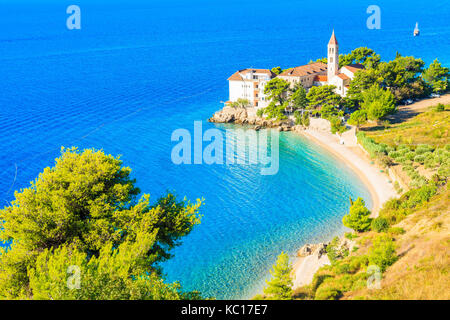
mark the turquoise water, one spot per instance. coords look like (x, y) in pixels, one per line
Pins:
(134, 73)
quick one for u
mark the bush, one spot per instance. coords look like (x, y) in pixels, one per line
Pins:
(357, 263)
(440, 107)
(424, 148)
(335, 251)
(396, 230)
(336, 125)
(382, 253)
(260, 112)
(420, 158)
(418, 196)
(370, 145)
(380, 224)
(327, 293)
(305, 119)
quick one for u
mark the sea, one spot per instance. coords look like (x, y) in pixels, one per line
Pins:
(137, 71)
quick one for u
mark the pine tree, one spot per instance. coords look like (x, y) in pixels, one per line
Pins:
(358, 218)
(280, 286)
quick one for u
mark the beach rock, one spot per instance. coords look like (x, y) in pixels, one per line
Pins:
(304, 251)
(229, 114)
(313, 249)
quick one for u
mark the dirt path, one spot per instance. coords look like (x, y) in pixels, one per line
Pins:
(409, 111)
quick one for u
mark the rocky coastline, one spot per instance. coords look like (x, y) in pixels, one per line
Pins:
(247, 116)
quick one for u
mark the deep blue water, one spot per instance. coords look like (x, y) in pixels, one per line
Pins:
(136, 72)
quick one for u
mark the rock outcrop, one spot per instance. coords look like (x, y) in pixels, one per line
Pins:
(249, 117)
(313, 249)
(320, 249)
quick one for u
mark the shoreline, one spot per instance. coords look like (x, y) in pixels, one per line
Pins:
(304, 267)
(375, 181)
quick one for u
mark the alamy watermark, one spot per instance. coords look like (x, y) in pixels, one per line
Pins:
(374, 21)
(234, 146)
(74, 278)
(74, 20)
(374, 279)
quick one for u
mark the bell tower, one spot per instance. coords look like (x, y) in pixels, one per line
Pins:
(333, 57)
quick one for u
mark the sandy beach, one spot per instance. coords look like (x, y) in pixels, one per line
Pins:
(378, 183)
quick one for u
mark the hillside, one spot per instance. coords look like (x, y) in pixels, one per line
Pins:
(408, 244)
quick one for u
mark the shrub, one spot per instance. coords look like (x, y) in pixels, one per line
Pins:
(357, 263)
(383, 160)
(318, 279)
(370, 145)
(335, 251)
(382, 253)
(424, 148)
(396, 230)
(410, 155)
(358, 218)
(418, 196)
(305, 119)
(327, 293)
(440, 107)
(350, 235)
(260, 112)
(420, 158)
(380, 224)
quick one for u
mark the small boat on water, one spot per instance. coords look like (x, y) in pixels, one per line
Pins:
(416, 30)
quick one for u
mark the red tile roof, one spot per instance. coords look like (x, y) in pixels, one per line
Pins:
(343, 76)
(321, 78)
(237, 75)
(354, 67)
(305, 70)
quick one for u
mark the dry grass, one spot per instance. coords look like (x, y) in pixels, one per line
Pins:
(423, 269)
(430, 127)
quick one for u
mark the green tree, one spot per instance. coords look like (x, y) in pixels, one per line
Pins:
(323, 60)
(377, 102)
(357, 118)
(280, 286)
(437, 76)
(85, 212)
(358, 218)
(274, 111)
(240, 103)
(322, 96)
(362, 55)
(277, 70)
(336, 124)
(297, 98)
(362, 81)
(276, 90)
(402, 76)
(382, 253)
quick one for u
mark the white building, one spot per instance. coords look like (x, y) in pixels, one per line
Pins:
(249, 84)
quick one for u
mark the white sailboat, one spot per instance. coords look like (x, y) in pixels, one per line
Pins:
(416, 30)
